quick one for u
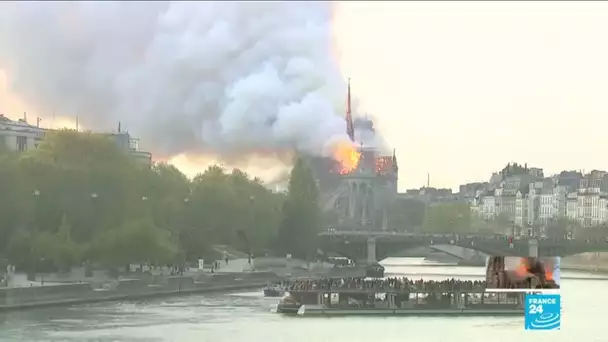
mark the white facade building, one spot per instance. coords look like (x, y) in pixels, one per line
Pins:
(591, 207)
(563, 196)
(19, 135)
(488, 203)
(572, 206)
(521, 210)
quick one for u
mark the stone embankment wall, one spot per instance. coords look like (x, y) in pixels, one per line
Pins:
(284, 265)
(127, 289)
(300, 268)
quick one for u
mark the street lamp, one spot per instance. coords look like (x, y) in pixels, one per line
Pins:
(246, 240)
(42, 269)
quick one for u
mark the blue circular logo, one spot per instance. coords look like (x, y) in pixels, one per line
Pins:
(546, 321)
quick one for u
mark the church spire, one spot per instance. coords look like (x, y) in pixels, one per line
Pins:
(350, 129)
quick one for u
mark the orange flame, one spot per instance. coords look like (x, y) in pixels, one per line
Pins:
(523, 267)
(549, 266)
(347, 155)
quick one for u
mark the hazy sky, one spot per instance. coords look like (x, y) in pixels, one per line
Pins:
(460, 89)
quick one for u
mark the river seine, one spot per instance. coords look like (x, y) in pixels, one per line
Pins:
(247, 317)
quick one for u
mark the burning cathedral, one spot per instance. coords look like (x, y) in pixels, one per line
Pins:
(360, 188)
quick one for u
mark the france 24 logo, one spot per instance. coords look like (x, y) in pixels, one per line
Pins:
(543, 312)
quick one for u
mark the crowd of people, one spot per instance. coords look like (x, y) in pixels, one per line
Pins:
(399, 284)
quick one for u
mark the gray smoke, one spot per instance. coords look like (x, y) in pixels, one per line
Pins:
(200, 77)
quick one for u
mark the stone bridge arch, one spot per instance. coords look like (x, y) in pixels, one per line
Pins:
(460, 253)
(458, 249)
(372, 249)
(359, 246)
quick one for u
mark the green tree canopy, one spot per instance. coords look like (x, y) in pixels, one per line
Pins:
(15, 198)
(83, 176)
(598, 232)
(79, 197)
(451, 217)
(560, 228)
(406, 214)
(137, 241)
(301, 214)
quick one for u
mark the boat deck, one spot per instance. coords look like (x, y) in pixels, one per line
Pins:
(385, 290)
(420, 302)
(320, 310)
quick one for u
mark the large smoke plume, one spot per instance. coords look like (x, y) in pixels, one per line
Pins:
(197, 77)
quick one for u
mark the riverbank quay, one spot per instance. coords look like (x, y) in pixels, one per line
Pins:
(586, 262)
(22, 298)
(599, 269)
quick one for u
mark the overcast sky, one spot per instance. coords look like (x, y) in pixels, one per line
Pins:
(460, 89)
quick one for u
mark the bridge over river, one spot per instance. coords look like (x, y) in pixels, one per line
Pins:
(377, 245)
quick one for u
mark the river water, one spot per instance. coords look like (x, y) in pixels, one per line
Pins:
(247, 317)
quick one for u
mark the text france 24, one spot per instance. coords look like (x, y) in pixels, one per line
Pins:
(543, 312)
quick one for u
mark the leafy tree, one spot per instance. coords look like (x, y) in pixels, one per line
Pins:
(84, 176)
(211, 213)
(79, 197)
(19, 250)
(599, 232)
(479, 224)
(406, 214)
(301, 214)
(454, 217)
(559, 228)
(501, 224)
(60, 250)
(165, 193)
(137, 241)
(229, 209)
(257, 228)
(14, 209)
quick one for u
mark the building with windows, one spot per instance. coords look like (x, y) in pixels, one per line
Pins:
(570, 196)
(360, 197)
(20, 136)
(125, 142)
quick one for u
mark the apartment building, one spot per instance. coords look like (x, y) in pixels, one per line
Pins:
(569, 195)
